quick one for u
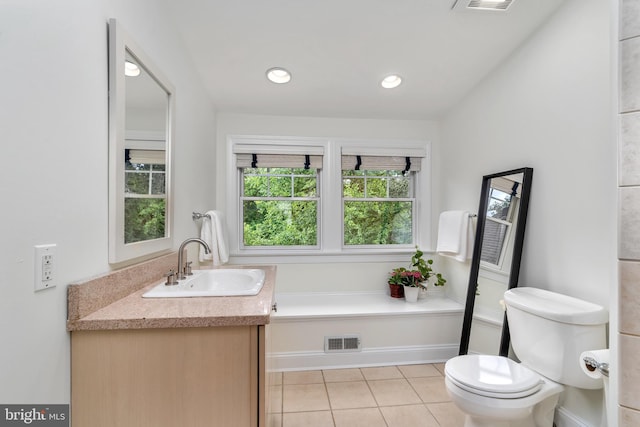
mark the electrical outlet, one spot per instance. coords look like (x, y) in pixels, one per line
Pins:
(44, 267)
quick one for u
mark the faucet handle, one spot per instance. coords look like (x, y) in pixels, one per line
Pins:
(171, 278)
(187, 268)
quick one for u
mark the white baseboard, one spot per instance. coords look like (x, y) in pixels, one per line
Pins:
(296, 361)
(565, 418)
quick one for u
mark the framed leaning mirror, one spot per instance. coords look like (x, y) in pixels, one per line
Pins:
(495, 265)
(141, 106)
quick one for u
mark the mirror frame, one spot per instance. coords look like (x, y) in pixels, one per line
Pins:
(477, 249)
(120, 42)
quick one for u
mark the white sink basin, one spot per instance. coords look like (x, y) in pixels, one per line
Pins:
(212, 283)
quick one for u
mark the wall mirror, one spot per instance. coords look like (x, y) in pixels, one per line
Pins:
(140, 139)
(495, 266)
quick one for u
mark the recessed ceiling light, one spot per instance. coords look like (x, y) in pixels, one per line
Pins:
(278, 75)
(131, 69)
(391, 81)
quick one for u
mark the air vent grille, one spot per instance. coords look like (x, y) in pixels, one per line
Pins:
(342, 343)
(482, 4)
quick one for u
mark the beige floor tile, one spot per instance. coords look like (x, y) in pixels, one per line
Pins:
(368, 417)
(341, 375)
(381, 373)
(308, 419)
(439, 367)
(349, 395)
(408, 416)
(430, 389)
(447, 414)
(414, 371)
(275, 420)
(393, 392)
(303, 377)
(276, 398)
(304, 398)
(276, 378)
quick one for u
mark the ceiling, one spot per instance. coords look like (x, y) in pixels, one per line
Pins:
(338, 51)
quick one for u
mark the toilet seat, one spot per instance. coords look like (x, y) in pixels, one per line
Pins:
(492, 376)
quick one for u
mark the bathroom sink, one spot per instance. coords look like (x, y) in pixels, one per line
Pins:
(212, 283)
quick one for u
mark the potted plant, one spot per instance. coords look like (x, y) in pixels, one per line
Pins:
(408, 282)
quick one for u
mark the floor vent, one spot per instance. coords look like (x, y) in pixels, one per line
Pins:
(342, 343)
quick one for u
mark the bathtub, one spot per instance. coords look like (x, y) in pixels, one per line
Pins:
(388, 330)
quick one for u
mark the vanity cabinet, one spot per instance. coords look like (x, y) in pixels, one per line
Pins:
(198, 376)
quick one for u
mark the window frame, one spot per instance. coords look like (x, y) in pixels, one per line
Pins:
(330, 237)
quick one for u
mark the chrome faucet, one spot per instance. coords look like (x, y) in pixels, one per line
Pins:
(207, 250)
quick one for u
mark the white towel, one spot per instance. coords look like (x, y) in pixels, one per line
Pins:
(214, 232)
(455, 235)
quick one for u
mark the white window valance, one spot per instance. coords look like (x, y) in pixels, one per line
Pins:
(278, 161)
(507, 185)
(354, 162)
(278, 156)
(149, 157)
(382, 158)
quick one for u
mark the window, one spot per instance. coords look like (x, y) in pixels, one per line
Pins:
(145, 195)
(279, 206)
(502, 208)
(378, 199)
(309, 196)
(377, 207)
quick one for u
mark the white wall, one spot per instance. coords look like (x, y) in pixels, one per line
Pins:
(323, 276)
(53, 180)
(549, 107)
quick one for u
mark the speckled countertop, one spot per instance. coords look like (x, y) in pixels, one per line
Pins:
(134, 312)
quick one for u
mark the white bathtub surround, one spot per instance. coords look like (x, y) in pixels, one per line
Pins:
(391, 331)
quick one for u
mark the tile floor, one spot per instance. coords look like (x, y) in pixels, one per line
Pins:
(391, 396)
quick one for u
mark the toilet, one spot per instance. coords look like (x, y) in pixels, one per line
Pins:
(548, 331)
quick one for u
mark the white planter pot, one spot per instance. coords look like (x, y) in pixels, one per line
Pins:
(411, 293)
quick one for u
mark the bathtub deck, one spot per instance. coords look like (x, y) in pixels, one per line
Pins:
(357, 304)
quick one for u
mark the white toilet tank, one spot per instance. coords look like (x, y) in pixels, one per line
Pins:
(549, 331)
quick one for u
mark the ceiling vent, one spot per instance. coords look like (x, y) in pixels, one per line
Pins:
(500, 5)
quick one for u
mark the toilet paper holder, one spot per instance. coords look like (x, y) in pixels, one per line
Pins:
(592, 364)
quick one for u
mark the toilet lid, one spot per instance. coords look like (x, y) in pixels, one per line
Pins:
(493, 376)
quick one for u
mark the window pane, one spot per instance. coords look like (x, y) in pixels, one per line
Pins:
(137, 166)
(376, 187)
(143, 219)
(255, 186)
(304, 187)
(377, 223)
(157, 183)
(280, 186)
(137, 182)
(280, 223)
(280, 171)
(353, 187)
(499, 204)
(254, 171)
(399, 187)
